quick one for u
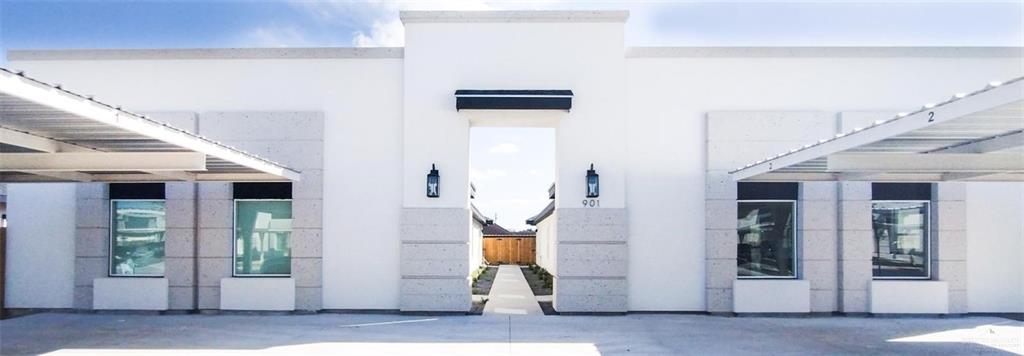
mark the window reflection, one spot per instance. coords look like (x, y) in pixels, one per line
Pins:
(767, 242)
(901, 239)
(137, 237)
(262, 233)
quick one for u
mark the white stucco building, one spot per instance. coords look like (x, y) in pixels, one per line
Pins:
(663, 127)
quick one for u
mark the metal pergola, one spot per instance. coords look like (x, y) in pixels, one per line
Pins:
(975, 136)
(49, 134)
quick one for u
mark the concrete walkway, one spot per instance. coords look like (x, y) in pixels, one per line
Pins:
(510, 294)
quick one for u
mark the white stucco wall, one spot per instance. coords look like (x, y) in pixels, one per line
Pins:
(668, 97)
(360, 98)
(547, 242)
(995, 247)
(476, 245)
(40, 245)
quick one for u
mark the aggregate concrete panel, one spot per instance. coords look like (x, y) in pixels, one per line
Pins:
(856, 245)
(434, 251)
(89, 268)
(955, 191)
(854, 301)
(426, 286)
(216, 213)
(178, 271)
(591, 286)
(592, 216)
(958, 301)
(855, 274)
(264, 126)
(209, 297)
(821, 274)
(92, 242)
(212, 270)
(92, 191)
(455, 267)
(952, 245)
(591, 268)
(215, 242)
(182, 120)
(434, 216)
(307, 213)
(720, 273)
(720, 214)
(950, 215)
(854, 215)
(130, 294)
(179, 242)
(300, 155)
(719, 185)
(460, 302)
(454, 233)
(909, 297)
(93, 213)
(83, 297)
(719, 300)
(954, 273)
(823, 301)
(310, 186)
(819, 191)
(570, 303)
(730, 155)
(215, 191)
(850, 190)
(306, 242)
(614, 251)
(568, 232)
(307, 272)
(308, 298)
(180, 214)
(180, 298)
(721, 244)
(180, 190)
(817, 214)
(818, 244)
(746, 126)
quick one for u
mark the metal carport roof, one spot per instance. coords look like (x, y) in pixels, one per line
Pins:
(970, 137)
(48, 133)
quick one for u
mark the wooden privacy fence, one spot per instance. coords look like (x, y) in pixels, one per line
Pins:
(520, 250)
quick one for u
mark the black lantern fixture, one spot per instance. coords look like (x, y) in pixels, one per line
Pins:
(593, 185)
(433, 183)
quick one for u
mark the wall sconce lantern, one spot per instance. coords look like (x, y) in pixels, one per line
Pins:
(433, 183)
(593, 185)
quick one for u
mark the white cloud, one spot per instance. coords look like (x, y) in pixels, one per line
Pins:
(383, 34)
(504, 149)
(275, 36)
(477, 175)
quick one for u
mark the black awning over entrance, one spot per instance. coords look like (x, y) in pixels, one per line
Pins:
(475, 99)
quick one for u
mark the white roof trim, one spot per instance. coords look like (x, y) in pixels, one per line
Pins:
(55, 97)
(994, 95)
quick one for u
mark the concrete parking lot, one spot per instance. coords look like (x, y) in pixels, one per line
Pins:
(357, 334)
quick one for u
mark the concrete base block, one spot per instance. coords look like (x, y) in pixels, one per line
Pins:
(771, 296)
(909, 297)
(435, 295)
(130, 294)
(271, 294)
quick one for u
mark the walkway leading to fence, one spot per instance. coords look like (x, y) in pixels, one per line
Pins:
(510, 294)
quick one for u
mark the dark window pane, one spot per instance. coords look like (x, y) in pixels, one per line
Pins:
(137, 238)
(263, 229)
(766, 240)
(901, 239)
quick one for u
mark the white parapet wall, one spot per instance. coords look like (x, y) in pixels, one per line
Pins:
(909, 297)
(125, 293)
(771, 296)
(266, 294)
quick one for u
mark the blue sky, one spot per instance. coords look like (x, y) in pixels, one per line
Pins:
(512, 167)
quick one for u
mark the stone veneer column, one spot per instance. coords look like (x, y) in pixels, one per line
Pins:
(92, 231)
(855, 246)
(215, 240)
(435, 260)
(592, 257)
(817, 237)
(948, 241)
(720, 212)
(179, 241)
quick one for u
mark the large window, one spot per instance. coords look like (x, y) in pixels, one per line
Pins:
(137, 230)
(901, 239)
(767, 239)
(263, 230)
